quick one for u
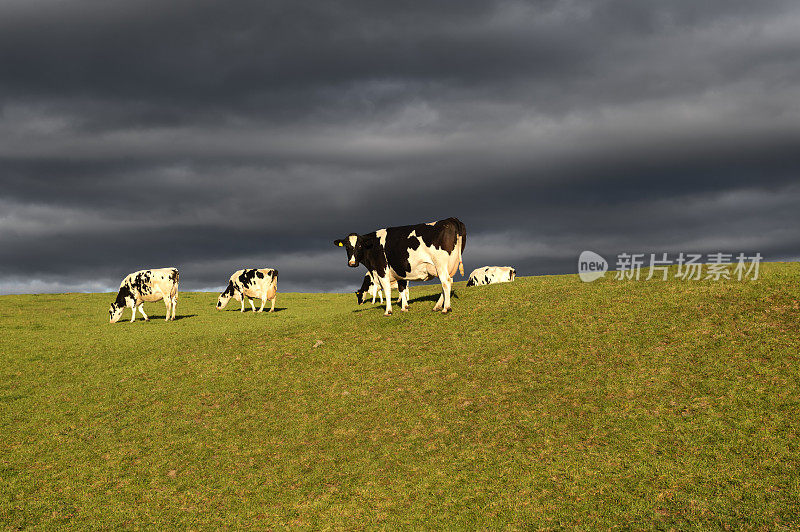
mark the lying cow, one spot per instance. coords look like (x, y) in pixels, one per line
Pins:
(370, 287)
(491, 275)
(410, 253)
(145, 286)
(261, 283)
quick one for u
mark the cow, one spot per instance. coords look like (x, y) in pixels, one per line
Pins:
(145, 286)
(491, 275)
(261, 283)
(369, 286)
(410, 253)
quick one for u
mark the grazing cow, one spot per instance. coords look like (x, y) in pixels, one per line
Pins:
(491, 275)
(369, 286)
(260, 283)
(146, 285)
(410, 253)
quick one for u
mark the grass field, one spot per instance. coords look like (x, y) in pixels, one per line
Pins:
(546, 403)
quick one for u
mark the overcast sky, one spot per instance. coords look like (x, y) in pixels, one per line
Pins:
(215, 135)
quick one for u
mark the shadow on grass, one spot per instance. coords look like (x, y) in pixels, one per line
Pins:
(177, 317)
(396, 306)
(266, 310)
(431, 297)
(368, 306)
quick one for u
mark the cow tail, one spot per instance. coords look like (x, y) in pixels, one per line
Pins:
(462, 232)
(273, 289)
(175, 278)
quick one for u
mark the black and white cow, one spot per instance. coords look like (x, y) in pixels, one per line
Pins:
(410, 253)
(145, 286)
(373, 288)
(491, 275)
(261, 283)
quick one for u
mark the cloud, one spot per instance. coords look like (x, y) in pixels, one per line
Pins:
(211, 137)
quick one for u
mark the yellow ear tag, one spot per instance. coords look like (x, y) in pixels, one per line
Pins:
(340, 244)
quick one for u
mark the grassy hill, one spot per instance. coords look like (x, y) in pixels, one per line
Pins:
(545, 403)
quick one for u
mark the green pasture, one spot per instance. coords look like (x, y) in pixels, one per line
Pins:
(547, 403)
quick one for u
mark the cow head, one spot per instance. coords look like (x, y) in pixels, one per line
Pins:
(224, 297)
(115, 313)
(124, 299)
(365, 286)
(353, 246)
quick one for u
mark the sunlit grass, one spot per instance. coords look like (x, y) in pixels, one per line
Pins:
(545, 403)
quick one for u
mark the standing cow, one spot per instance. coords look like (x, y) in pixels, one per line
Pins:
(261, 283)
(145, 286)
(491, 275)
(410, 253)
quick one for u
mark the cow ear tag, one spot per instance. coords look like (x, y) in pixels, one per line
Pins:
(340, 244)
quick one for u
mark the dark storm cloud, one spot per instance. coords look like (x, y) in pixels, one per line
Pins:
(212, 136)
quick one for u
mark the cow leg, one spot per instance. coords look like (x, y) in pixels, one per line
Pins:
(133, 313)
(242, 310)
(141, 309)
(263, 302)
(272, 306)
(386, 285)
(447, 285)
(442, 272)
(252, 306)
(439, 302)
(174, 306)
(402, 299)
